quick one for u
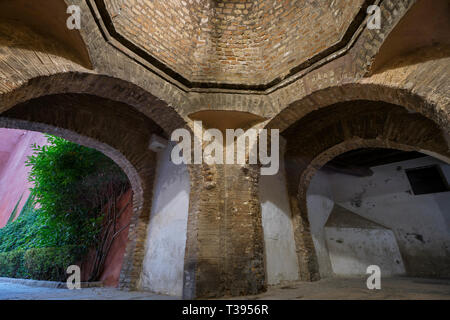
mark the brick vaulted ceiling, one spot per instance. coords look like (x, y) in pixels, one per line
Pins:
(234, 44)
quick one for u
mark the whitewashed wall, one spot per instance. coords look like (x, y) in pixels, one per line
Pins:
(420, 223)
(281, 258)
(166, 240)
(357, 249)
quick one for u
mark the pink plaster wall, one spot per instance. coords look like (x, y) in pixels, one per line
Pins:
(15, 147)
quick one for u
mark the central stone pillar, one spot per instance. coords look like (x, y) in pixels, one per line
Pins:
(224, 249)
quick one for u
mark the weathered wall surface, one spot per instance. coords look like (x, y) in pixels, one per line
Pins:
(355, 243)
(225, 245)
(281, 259)
(419, 222)
(15, 147)
(234, 41)
(163, 265)
(167, 29)
(353, 250)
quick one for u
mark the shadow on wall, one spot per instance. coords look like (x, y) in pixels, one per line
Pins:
(41, 26)
(354, 243)
(408, 36)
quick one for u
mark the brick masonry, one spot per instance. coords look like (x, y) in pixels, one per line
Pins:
(36, 73)
(233, 41)
(224, 251)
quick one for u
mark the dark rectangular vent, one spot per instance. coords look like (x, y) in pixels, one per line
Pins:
(425, 180)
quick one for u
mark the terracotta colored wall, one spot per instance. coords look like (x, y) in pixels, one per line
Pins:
(113, 263)
(114, 259)
(15, 147)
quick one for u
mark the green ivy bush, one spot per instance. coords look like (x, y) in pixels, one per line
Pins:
(70, 187)
(12, 264)
(50, 263)
(23, 233)
(63, 217)
(38, 263)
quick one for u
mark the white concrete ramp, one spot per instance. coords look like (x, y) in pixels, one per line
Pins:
(355, 242)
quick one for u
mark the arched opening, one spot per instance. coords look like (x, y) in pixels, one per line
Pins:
(325, 134)
(125, 135)
(62, 204)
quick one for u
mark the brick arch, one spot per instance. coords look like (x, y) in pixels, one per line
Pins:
(324, 134)
(99, 85)
(117, 130)
(361, 91)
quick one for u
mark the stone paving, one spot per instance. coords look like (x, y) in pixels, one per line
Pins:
(355, 289)
(333, 288)
(13, 291)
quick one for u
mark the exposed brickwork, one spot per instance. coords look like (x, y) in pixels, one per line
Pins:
(169, 30)
(242, 42)
(18, 65)
(107, 60)
(224, 249)
(419, 85)
(101, 86)
(307, 260)
(289, 26)
(233, 41)
(25, 26)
